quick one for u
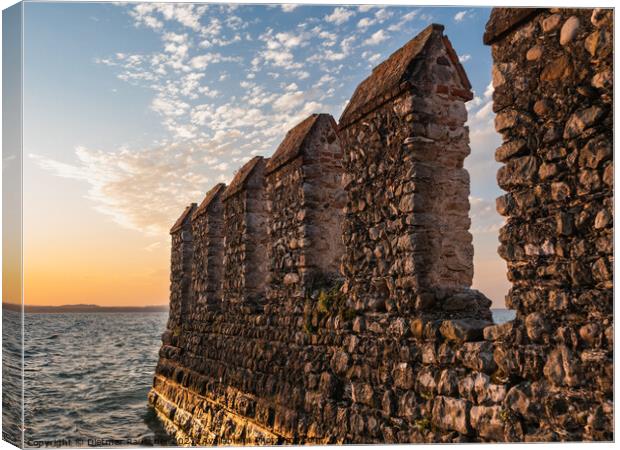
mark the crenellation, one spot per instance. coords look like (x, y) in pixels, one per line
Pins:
(245, 231)
(181, 294)
(411, 191)
(304, 180)
(208, 229)
(397, 347)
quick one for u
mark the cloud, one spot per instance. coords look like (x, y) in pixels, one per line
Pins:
(372, 58)
(464, 58)
(340, 15)
(151, 14)
(383, 14)
(365, 8)
(184, 13)
(403, 20)
(483, 142)
(153, 246)
(290, 39)
(280, 58)
(484, 112)
(174, 37)
(202, 61)
(219, 107)
(169, 106)
(290, 7)
(347, 44)
(460, 16)
(376, 38)
(222, 167)
(473, 103)
(289, 101)
(488, 93)
(365, 22)
(484, 217)
(140, 189)
(380, 16)
(142, 15)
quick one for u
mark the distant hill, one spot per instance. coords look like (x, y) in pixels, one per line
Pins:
(84, 308)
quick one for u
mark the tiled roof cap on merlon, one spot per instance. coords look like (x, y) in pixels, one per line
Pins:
(183, 218)
(392, 76)
(503, 20)
(295, 141)
(209, 197)
(238, 182)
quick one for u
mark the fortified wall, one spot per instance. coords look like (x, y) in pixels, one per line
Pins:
(324, 296)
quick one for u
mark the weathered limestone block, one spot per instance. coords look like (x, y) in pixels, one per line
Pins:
(462, 330)
(488, 422)
(452, 414)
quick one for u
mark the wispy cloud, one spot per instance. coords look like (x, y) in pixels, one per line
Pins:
(290, 7)
(224, 86)
(340, 15)
(376, 38)
(461, 15)
(140, 189)
(483, 142)
(484, 217)
(153, 246)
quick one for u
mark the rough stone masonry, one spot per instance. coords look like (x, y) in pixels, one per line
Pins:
(324, 296)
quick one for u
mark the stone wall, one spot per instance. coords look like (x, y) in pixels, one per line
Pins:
(245, 231)
(208, 233)
(552, 75)
(181, 294)
(401, 349)
(407, 223)
(304, 178)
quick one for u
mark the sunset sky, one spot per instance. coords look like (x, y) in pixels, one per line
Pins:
(132, 111)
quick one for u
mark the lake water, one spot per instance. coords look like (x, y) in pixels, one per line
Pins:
(86, 378)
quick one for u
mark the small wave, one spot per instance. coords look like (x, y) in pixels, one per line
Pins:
(79, 387)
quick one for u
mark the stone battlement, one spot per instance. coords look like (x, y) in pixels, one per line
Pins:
(324, 296)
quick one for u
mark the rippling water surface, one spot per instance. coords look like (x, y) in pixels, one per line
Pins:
(87, 377)
(11, 377)
(503, 315)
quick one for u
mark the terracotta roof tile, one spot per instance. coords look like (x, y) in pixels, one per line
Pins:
(209, 197)
(183, 218)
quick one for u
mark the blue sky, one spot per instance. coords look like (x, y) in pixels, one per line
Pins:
(134, 110)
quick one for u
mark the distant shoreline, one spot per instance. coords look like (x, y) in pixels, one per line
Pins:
(40, 309)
